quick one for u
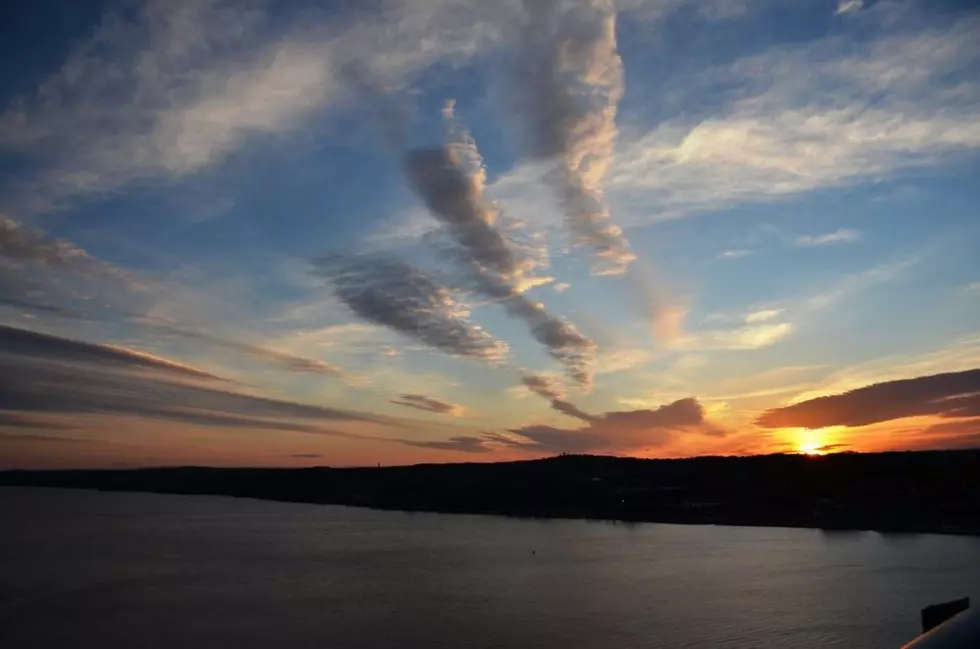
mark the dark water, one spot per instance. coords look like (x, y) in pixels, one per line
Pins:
(89, 569)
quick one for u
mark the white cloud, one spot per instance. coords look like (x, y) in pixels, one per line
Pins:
(186, 82)
(832, 112)
(734, 254)
(748, 337)
(848, 6)
(620, 360)
(854, 283)
(762, 315)
(825, 114)
(843, 235)
(972, 288)
(963, 354)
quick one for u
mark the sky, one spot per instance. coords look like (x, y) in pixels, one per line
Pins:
(401, 231)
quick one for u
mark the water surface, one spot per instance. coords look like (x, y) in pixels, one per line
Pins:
(90, 569)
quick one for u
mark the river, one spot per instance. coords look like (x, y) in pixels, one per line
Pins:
(90, 569)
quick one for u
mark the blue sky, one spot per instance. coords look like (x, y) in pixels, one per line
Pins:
(481, 230)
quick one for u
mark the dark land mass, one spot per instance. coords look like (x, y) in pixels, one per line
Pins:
(910, 492)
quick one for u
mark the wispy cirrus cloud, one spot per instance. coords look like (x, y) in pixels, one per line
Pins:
(34, 264)
(735, 254)
(848, 6)
(428, 404)
(38, 345)
(827, 113)
(843, 235)
(58, 376)
(175, 87)
(459, 443)
(749, 336)
(548, 388)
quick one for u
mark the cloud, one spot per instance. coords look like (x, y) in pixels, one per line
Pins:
(173, 87)
(428, 404)
(49, 374)
(450, 181)
(848, 6)
(734, 254)
(23, 245)
(618, 431)
(830, 112)
(38, 345)
(831, 448)
(568, 83)
(842, 235)
(306, 455)
(32, 437)
(27, 255)
(561, 287)
(952, 395)
(30, 305)
(621, 360)
(762, 315)
(20, 420)
(462, 444)
(274, 357)
(964, 433)
(161, 93)
(551, 390)
(394, 294)
(751, 336)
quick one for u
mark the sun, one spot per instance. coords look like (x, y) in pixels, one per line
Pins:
(810, 442)
(811, 448)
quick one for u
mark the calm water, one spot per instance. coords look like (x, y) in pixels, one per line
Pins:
(122, 570)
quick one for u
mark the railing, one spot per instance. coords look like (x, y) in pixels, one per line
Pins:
(948, 626)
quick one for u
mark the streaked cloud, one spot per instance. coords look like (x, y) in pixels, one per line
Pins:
(394, 294)
(461, 444)
(175, 87)
(843, 235)
(848, 6)
(611, 432)
(60, 376)
(826, 113)
(38, 345)
(618, 431)
(735, 254)
(428, 404)
(450, 180)
(762, 315)
(551, 390)
(274, 357)
(569, 53)
(949, 395)
(753, 336)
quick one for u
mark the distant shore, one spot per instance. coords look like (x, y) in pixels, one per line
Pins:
(935, 492)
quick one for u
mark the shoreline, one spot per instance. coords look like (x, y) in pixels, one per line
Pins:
(936, 492)
(539, 516)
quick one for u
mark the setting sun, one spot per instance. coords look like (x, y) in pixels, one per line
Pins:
(810, 448)
(810, 441)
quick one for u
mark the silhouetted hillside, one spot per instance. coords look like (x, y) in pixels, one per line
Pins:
(935, 491)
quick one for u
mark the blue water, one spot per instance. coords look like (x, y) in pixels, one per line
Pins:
(89, 569)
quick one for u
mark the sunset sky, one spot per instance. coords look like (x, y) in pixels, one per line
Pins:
(398, 231)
